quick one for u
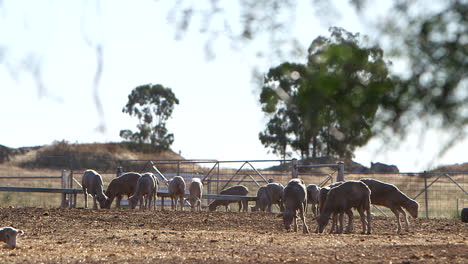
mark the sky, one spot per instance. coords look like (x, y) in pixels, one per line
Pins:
(218, 117)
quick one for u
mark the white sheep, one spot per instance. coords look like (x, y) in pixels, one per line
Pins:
(176, 191)
(390, 196)
(8, 235)
(195, 194)
(146, 188)
(275, 193)
(92, 184)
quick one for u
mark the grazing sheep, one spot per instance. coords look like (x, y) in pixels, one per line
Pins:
(390, 196)
(92, 184)
(176, 192)
(321, 202)
(295, 199)
(125, 184)
(146, 188)
(195, 194)
(313, 197)
(239, 190)
(341, 199)
(8, 235)
(263, 200)
(275, 193)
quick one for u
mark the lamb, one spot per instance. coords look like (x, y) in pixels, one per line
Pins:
(263, 200)
(176, 191)
(8, 235)
(196, 192)
(275, 193)
(313, 197)
(239, 190)
(92, 184)
(390, 196)
(147, 187)
(125, 184)
(295, 199)
(341, 199)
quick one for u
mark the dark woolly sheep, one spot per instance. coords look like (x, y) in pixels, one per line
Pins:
(341, 199)
(239, 190)
(125, 184)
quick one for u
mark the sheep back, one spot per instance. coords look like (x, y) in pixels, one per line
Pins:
(176, 186)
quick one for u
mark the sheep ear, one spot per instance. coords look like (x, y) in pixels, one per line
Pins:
(279, 215)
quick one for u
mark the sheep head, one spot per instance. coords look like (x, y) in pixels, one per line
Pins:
(322, 221)
(288, 217)
(412, 207)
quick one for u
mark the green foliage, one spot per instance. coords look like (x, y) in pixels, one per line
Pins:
(331, 102)
(153, 106)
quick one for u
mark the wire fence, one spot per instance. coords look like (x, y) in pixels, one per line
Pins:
(440, 195)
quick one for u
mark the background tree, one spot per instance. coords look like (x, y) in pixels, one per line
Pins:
(153, 106)
(333, 100)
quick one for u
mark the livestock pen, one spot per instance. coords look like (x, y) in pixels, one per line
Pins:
(440, 195)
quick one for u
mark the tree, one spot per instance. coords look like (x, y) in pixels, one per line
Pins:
(332, 101)
(153, 106)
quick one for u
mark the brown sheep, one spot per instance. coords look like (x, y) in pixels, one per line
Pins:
(390, 196)
(341, 199)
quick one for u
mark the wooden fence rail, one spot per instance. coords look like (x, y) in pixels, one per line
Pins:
(160, 194)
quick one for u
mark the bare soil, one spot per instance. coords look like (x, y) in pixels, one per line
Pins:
(126, 236)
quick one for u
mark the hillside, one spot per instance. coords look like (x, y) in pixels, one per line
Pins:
(62, 154)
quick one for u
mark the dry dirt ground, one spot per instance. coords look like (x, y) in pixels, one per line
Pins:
(125, 236)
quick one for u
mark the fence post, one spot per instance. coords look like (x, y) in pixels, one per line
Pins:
(294, 168)
(340, 176)
(426, 200)
(119, 171)
(64, 185)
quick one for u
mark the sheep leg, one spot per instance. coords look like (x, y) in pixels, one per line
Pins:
(369, 220)
(364, 223)
(397, 214)
(295, 224)
(405, 218)
(305, 229)
(334, 220)
(85, 197)
(341, 223)
(94, 202)
(150, 199)
(350, 226)
(118, 201)
(181, 199)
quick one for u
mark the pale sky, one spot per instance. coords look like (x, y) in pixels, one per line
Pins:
(218, 117)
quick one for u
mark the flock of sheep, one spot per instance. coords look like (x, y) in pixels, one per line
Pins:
(328, 202)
